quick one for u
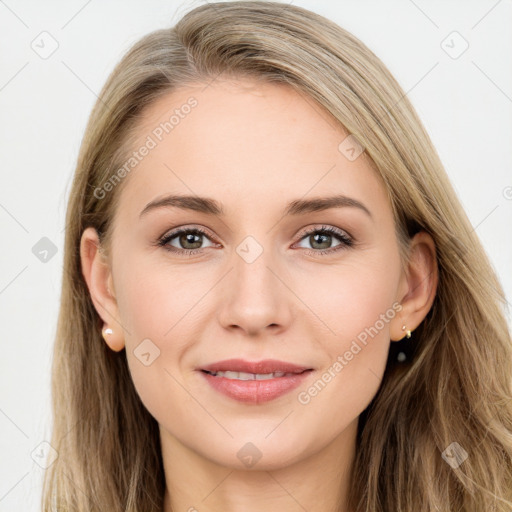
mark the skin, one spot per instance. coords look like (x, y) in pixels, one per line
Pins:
(255, 147)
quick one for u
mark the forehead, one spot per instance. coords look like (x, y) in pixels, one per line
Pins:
(244, 142)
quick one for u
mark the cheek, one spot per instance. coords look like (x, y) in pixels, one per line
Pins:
(355, 308)
(152, 298)
(161, 311)
(350, 300)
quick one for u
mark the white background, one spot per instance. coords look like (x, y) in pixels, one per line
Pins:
(465, 104)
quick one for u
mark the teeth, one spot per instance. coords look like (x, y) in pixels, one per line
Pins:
(250, 376)
(265, 376)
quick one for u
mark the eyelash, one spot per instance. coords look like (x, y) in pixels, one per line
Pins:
(346, 241)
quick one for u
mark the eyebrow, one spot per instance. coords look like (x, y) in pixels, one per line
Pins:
(210, 206)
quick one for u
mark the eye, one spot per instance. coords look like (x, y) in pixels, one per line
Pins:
(321, 240)
(188, 241)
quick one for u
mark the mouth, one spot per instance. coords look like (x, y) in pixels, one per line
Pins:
(254, 382)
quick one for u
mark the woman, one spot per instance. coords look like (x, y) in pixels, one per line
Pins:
(368, 370)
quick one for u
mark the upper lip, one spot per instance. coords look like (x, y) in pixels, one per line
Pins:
(261, 367)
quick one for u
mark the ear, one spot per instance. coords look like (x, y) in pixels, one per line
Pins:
(98, 276)
(417, 287)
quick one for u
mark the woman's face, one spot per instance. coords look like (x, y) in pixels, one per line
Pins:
(262, 281)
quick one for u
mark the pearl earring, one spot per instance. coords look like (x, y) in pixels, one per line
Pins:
(108, 331)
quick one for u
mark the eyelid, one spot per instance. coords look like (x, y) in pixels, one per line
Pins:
(327, 228)
(187, 227)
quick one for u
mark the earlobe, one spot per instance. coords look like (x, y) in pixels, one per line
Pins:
(98, 276)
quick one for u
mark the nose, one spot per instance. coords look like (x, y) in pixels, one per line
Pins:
(255, 297)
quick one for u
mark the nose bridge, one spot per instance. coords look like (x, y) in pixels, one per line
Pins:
(252, 274)
(255, 295)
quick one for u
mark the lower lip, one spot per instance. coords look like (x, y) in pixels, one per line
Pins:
(256, 391)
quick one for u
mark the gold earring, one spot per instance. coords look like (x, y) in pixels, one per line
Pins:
(408, 333)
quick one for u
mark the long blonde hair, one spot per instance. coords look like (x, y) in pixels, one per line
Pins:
(456, 388)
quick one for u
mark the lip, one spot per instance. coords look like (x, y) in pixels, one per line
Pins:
(264, 366)
(255, 391)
